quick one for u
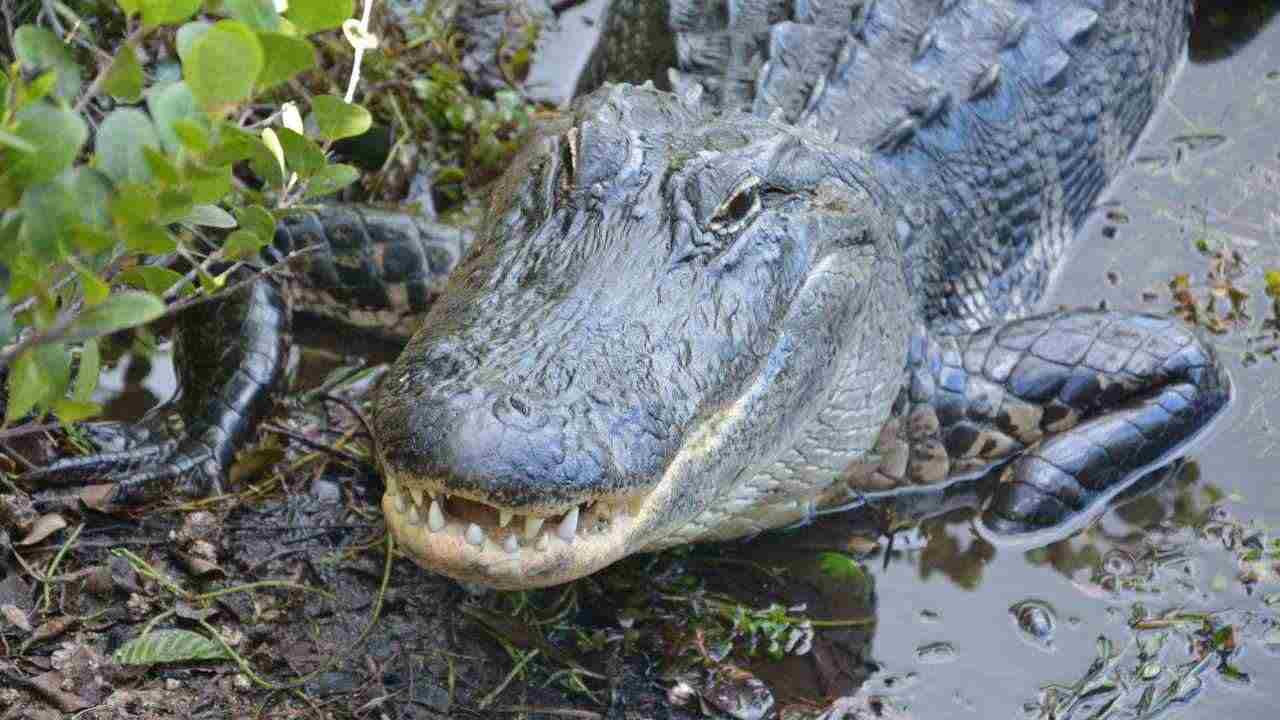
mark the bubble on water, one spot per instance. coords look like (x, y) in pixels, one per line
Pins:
(1036, 621)
(1118, 562)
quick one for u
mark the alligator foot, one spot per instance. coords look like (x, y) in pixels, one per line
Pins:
(231, 354)
(362, 271)
(1066, 410)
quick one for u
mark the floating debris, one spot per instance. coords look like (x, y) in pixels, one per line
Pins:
(738, 694)
(936, 653)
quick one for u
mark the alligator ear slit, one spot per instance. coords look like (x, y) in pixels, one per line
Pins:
(569, 158)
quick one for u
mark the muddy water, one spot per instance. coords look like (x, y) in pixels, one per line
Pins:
(1206, 177)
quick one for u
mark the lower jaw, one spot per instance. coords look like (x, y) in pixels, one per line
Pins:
(552, 562)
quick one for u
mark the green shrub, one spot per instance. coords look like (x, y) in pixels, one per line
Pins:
(112, 170)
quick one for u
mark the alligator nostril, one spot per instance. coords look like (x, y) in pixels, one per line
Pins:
(519, 405)
(515, 412)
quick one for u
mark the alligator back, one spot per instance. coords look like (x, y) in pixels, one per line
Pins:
(996, 124)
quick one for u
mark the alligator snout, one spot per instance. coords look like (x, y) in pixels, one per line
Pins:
(516, 451)
(507, 486)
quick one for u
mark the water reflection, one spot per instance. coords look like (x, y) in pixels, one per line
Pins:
(1222, 27)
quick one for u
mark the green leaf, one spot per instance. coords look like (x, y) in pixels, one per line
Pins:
(330, 179)
(161, 166)
(40, 50)
(47, 210)
(841, 566)
(339, 119)
(193, 136)
(301, 155)
(234, 145)
(57, 134)
(125, 80)
(134, 205)
(257, 219)
(209, 185)
(1273, 283)
(121, 138)
(243, 244)
(152, 278)
(286, 56)
(73, 411)
(88, 373)
(129, 7)
(95, 289)
(210, 216)
(125, 309)
(8, 139)
(167, 12)
(92, 240)
(169, 646)
(172, 107)
(38, 377)
(7, 324)
(188, 35)
(222, 66)
(257, 14)
(315, 15)
(26, 386)
(174, 205)
(149, 238)
(93, 191)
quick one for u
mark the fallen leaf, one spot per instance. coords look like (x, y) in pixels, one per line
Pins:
(42, 528)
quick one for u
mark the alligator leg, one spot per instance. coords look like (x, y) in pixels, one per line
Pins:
(368, 269)
(1068, 409)
(231, 354)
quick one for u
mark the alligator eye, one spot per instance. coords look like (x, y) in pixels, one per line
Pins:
(734, 213)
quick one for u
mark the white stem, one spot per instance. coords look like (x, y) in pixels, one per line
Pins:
(355, 68)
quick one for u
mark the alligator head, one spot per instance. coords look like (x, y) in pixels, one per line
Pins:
(676, 324)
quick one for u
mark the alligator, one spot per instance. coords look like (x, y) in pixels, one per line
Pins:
(799, 276)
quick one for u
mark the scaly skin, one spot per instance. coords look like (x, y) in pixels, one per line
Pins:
(798, 282)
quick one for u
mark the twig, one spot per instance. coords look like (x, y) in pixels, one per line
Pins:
(304, 440)
(519, 666)
(95, 87)
(351, 408)
(57, 560)
(21, 430)
(540, 710)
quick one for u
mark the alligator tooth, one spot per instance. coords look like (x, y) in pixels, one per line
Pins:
(603, 509)
(417, 494)
(475, 535)
(543, 542)
(511, 545)
(569, 525)
(531, 526)
(435, 517)
(414, 517)
(401, 506)
(504, 518)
